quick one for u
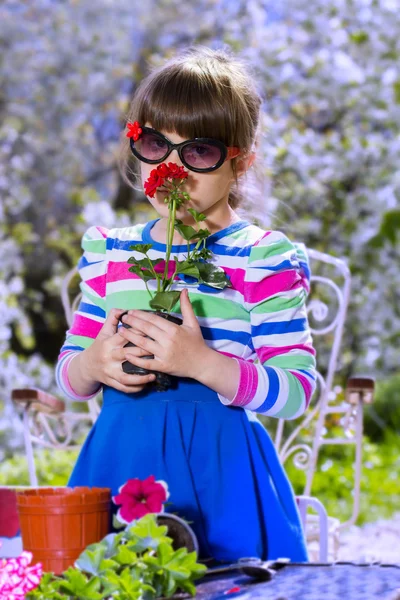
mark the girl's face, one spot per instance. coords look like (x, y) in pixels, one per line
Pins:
(207, 191)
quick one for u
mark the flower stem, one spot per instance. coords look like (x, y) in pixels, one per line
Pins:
(170, 236)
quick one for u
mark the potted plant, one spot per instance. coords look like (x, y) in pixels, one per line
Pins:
(137, 498)
(141, 561)
(193, 270)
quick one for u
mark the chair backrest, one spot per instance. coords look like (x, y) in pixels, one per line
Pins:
(327, 308)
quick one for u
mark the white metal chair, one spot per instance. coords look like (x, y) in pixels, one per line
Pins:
(47, 423)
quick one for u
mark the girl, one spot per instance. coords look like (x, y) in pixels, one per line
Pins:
(243, 350)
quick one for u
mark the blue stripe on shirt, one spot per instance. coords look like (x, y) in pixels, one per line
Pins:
(275, 327)
(92, 309)
(241, 337)
(273, 391)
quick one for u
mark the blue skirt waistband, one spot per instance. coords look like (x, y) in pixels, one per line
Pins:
(184, 390)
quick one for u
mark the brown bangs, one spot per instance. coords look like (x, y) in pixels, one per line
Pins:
(190, 104)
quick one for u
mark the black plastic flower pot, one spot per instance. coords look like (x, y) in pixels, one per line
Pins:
(179, 531)
(163, 381)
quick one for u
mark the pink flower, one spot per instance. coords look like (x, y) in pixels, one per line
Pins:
(138, 498)
(17, 578)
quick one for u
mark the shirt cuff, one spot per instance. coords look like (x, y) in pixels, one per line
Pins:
(248, 382)
(65, 383)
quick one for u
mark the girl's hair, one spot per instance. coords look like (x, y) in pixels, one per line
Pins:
(199, 93)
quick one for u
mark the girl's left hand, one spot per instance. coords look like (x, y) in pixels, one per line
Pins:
(178, 349)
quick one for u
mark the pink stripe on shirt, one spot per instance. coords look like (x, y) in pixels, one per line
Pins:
(85, 326)
(266, 352)
(236, 277)
(103, 231)
(247, 384)
(66, 382)
(257, 291)
(306, 385)
(118, 271)
(98, 285)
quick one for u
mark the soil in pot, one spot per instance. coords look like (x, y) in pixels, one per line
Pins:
(58, 523)
(163, 381)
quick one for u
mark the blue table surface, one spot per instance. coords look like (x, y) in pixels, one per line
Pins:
(308, 582)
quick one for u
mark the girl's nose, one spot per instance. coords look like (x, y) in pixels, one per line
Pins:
(174, 157)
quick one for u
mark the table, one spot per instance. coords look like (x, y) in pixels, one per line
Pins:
(337, 581)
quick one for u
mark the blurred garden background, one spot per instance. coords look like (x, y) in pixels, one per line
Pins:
(328, 176)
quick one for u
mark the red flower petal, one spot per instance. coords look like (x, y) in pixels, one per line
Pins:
(134, 130)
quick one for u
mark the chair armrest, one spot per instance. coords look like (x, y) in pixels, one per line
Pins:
(360, 388)
(38, 400)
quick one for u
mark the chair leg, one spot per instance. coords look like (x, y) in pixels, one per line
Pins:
(29, 448)
(303, 503)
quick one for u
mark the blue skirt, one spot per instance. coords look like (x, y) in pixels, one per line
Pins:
(222, 470)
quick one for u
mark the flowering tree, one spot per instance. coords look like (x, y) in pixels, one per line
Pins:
(329, 143)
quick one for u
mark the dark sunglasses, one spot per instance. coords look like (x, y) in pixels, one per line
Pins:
(201, 155)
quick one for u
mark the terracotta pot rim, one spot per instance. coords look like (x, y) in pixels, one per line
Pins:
(63, 495)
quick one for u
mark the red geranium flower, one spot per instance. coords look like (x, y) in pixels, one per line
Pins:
(153, 182)
(134, 130)
(138, 498)
(163, 172)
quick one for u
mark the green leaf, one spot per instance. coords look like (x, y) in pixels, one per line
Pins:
(213, 276)
(77, 585)
(145, 263)
(147, 532)
(125, 555)
(164, 301)
(202, 234)
(203, 254)
(186, 231)
(187, 268)
(142, 248)
(145, 275)
(94, 559)
(198, 217)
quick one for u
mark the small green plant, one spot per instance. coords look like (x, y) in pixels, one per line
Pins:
(138, 563)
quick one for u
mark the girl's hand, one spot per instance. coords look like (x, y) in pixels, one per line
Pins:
(102, 361)
(178, 349)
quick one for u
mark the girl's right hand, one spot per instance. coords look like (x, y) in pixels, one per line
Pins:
(102, 361)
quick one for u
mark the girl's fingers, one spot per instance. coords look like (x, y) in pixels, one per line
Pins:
(148, 322)
(151, 346)
(130, 384)
(151, 364)
(120, 354)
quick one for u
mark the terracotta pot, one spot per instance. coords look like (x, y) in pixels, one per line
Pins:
(163, 381)
(58, 523)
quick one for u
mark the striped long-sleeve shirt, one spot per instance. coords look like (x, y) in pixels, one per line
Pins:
(260, 321)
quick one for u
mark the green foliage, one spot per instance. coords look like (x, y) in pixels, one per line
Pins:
(333, 483)
(138, 563)
(53, 468)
